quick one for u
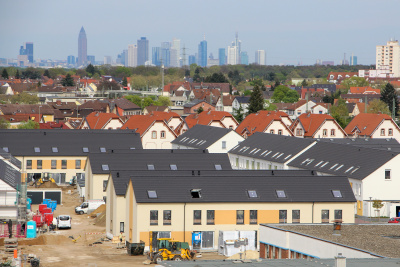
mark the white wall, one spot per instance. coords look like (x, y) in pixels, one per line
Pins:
(329, 125)
(231, 140)
(387, 125)
(264, 164)
(158, 143)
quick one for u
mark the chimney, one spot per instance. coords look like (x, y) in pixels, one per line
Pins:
(340, 260)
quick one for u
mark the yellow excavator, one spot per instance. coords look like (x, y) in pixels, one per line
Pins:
(46, 177)
(169, 249)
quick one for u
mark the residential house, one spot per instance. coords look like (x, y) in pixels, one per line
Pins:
(321, 108)
(63, 110)
(298, 108)
(368, 125)
(338, 77)
(241, 101)
(364, 90)
(372, 171)
(151, 109)
(355, 98)
(214, 139)
(224, 103)
(200, 204)
(34, 111)
(193, 107)
(317, 126)
(212, 118)
(124, 107)
(274, 122)
(356, 108)
(10, 184)
(62, 153)
(102, 121)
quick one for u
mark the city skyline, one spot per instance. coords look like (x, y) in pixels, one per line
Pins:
(289, 38)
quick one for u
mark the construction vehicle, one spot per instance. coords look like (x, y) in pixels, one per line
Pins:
(46, 177)
(168, 249)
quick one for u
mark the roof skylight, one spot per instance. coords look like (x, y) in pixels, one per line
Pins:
(173, 167)
(37, 149)
(337, 193)
(105, 167)
(218, 167)
(152, 193)
(85, 149)
(150, 167)
(280, 193)
(54, 149)
(252, 193)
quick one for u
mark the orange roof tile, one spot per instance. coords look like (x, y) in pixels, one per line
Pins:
(206, 117)
(258, 122)
(364, 90)
(97, 120)
(366, 123)
(142, 123)
(312, 122)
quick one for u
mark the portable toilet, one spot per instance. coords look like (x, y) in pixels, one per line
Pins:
(31, 229)
(29, 203)
(42, 207)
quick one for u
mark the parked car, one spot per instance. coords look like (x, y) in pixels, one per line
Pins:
(394, 220)
(89, 206)
(64, 221)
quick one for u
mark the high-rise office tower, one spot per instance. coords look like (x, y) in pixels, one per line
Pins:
(166, 53)
(142, 51)
(82, 47)
(125, 57)
(156, 56)
(26, 50)
(244, 58)
(353, 60)
(175, 52)
(222, 56)
(192, 59)
(132, 55)
(202, 53)
(107, 60)
(91, 59)
(232, 55)
(71, 60)
(260, 57)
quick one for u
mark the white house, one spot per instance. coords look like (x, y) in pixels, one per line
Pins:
(309, 125)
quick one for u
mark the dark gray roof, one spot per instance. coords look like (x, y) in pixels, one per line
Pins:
(193, 102)
(9, 175)
(342, 159)
(242, 99)
(201, 136)
(234, 189)
(121, 178)
(389, 144)
(272, 147)
(68, 142)
(138, 160)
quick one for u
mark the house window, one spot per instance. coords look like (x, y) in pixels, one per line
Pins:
(247, 164)
(150, 167)
(280, 194)
(338, 214)
(387, 175)
(29, 164)
(197, 217)
(39, 164)
(325, 216)
(271, 132)
(253, 217)
(210, 216)
(237, 162)
(382, 132)
(218, 167)
(154, 135)
(252, 165)
(105, 167)
(295, 216)
(337, 193)
(299, 132)
(324, 132)
(6, 149)
(332, 132)
(152, 193)
(154, 217)
(85, 149)
(223, 144)
(121, 227)
(173, 167)
(252, 193)
(163, 134)
(167, 217)
(77, 164)
(54, 149)
(230, 126)
(280, 132)
(195, 193)
(283, 216)
(54, 164)
(240, 217)
(102, 149)
(37, 149)
(63, 164)
(258, 165)
(390, 132)
(105, 182)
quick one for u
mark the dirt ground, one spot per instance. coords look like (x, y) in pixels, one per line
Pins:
(58, 249)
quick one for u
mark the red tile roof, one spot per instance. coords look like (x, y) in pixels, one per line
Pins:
(97, 120)
(311, 122)
(53, 125)
(207, 117)
(365, 123)
(259, 122)
(142, 123)
(364, 90)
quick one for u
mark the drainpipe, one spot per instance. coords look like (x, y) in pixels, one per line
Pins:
(184, 222)
(312, 214)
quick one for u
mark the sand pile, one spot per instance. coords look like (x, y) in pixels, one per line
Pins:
(49, 185)
(248, 255)
(100, 209)
(45, 240)
(101, 219)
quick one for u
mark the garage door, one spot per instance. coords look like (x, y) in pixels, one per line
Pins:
(37, 197)
(53, 196)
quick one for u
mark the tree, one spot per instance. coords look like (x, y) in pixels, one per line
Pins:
(24, 98)
(4, 124)
(354, 82)
(377, 106)
(163, 101)
(17, 76)
(138, 82)
(68, 80)
(90, 69)
(271, 107)
(28, 125)
(200, 110)
(216, 78)
(125, 82)
(304, 83)
(196, 76)
(340, 113)
(238, 114)
(134, 99)
(285, 95)
(256, 101)
(46, 73)
(388, 94)
(4, 74)
(377, 204)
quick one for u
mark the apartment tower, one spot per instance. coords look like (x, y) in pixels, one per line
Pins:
(388, 57)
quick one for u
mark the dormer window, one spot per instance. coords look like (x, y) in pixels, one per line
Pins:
(85, 149)
(196, 193)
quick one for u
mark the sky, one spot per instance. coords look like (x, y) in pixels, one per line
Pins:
(291, 31)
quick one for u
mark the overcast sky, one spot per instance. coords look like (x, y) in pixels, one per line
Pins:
(290, 31)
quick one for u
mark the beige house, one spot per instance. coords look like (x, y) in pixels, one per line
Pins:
(309, 125)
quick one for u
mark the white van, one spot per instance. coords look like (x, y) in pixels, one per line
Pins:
(64, 221)
(89, 206)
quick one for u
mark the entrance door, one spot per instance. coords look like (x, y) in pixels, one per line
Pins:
(207, 240)
(397, 211)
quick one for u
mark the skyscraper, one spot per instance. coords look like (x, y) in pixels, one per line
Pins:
(260, 57)
(82, 47)
(232, 55)
(202, 54)
(156, 56)
(388, 57)
(91, 59)
(353, 60)
(175, 53)
(142, 51)
(132, 55)
(26, 50)
(71, 60)
(166, 53)
(192, 59)
(244, 58)
(222, 56)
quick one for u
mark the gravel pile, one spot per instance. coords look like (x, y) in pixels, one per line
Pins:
(373, 238)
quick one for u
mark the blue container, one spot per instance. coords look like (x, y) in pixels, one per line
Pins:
(29, 203)
(31, 229)
(46, 201)
(53, 205)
